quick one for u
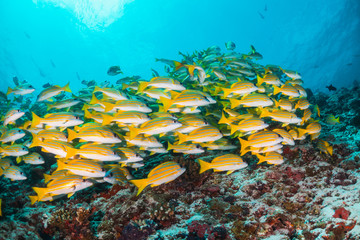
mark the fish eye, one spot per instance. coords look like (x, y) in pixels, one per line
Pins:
(206, 123)
(31, 86)
(137, 155)
(39, 158)
(115, 135)
(84, 180)
(21, 173)
(110, 174)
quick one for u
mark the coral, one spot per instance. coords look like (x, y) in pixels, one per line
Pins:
(341, 213)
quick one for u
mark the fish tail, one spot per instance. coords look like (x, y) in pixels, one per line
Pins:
(166, 103)
(18, 159)
(142, 86)
(170, 146)
(107, 119)
(41, 192)
(227, 91)
(10, 90)
(261, 158)
(328, 148)
(70, 152)
(191, 69)
(87, 114)
(204, 166)
(33, 199)
(140, 184)
(224, 120)
(35, 141)
(71, 134)
(94, 99)
(233, 128)
(234, 102)
(48, 106)
(182, 138)
(337, 119)
(47, 178)
(1, 171)
(243, 144)
(124, 86)
(60, 165)
(178, 65)
(302, 132)
(244, 151)
(36, 120)
(108, 106)
(133, 132)
(264, 113)
(66, 88)
(276, 89)
(260, 80)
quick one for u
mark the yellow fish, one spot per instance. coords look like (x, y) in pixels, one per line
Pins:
(227, 162)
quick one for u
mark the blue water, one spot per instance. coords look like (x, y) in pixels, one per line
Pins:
(43, 41)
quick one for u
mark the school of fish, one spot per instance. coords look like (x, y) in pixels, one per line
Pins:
(208, 101)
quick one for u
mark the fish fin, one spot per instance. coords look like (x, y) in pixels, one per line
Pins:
(182, 138)
(36, 120)
(178, 65)
(170, 146)
(233, 128)
(227, 91)
(107, 119)
(97, 89)
(70, 152)
(204, 166)
(33, 199)
(261, 158)
(71, 134)
(328, 148)
(70, 194)
(108, 106)
(66, 88)
(260, 80)
(244, 151)
(234, 102)
(140, 184)
(243, 144)
(60, 165)
(301, 132)
(166, 103)
(35, 141)
(133, 132)
(47, 178)
(229, 172)
(1, 171)
(276, 89)
(18, 160)
(142, 86)
(10, 90)
(41, 192)
(94, 99)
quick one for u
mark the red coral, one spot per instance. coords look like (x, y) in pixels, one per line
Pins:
(341, 213)
(199, 230)
(295, 175)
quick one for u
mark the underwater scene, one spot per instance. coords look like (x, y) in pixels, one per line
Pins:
(166, 120)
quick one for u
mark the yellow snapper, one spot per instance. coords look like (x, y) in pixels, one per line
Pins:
(164, 173)
(130, 117)
(281, 116)
(12, 115)
(287, 90)
(66, 185)
(252, 100)
(261, 139)
(13, 173)
(66, 103)
(240, 88)
(52, 91)
(312, 128)
(82, 167)
(249, 125)
(93, 151)
(12, 135)
(325, 147)
(15, 150)
(127, 105)
(202, 134)
(99, 135)
(56, 120)
(227, 162)
(116, 175)
(21, 90)
(162, 82)
(50, 134)
(33, 158)
(302, 104)
(141, 140)
(59, 148)
(330, 119)
(112, 93)
(271, 158)
(155, 126)
(185, 148)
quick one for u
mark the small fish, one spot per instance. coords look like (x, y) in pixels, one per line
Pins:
(66, 103)
(98, 135)
(47, 85)
(271, 158)
(312, 128)
(59, 148)
(114, 70)
(162, 82)
(330, 119)
(33, 158)
(230, 45)
(331, 88)
(240, 88)
(56, 120)
(13, 173)
(129, 117)
(66, 185)
(5, 163)
(202, 134)
(128, 155)
(262, 16)
(141, 140)
(14, 150)
(112, 93)
(154, 73)
(281, 116)
(21, 90)
(287, 90)
(261, 139)
(155, 126)
(12, 115)
(325, 147)
(164, 173)
(227, 162)
(82, 167)
(116, 175)
(52, 91)
(127, 105)
(93, 151)
(185, 148)
(12, 135)
(252, 100)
